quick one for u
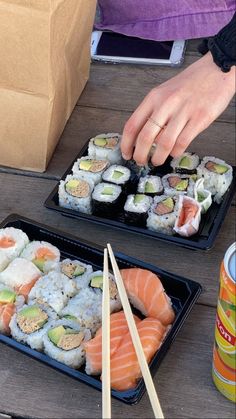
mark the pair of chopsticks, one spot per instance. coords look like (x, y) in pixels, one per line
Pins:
(106, 386)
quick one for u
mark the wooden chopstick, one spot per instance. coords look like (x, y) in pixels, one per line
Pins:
(106, 379)
(135, 338)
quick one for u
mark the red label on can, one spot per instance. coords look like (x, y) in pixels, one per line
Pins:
(224, 332)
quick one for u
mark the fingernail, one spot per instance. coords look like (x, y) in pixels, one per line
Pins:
(125, 156)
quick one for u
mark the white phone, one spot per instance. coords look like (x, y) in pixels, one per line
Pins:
(118, 48)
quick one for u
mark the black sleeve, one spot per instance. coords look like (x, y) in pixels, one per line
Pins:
(222, 46)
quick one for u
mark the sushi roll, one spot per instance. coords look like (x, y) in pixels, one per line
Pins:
(76, 270)
(187, 163)
(217, 176)
(189, 217)
(4, 261)
(12, 242)
(30, 324)
(90, 168)
(75, 193)
(136, 209)
(20, 275)
(117, 174)
(150, 185)
(106, 146)
(44, 255)
(175, 184)
(85, 309)
(106, 199)
(9, 302)
(53, 289)
(64, 341)
(96, 284)
(162, 214)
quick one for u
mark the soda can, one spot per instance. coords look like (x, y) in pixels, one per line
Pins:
(224, 351)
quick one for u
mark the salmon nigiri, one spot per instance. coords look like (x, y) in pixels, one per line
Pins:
(147, 294)
(125, 370)
(6, 313)
(93, 347)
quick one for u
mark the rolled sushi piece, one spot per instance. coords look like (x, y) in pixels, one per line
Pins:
(9, 302)
(218, 176)
(96, 284)
(85, 309)
(75, 193)
(106, 199)
(202, 195)
(64, 342)
(136, 209)
(4, 261)
(150, 185)
(30, 324)
(76, 270)
(189, 217)
(163, 214)
(53, 289)
(43, 254)
(117, 174)
(90, 168)
(187, 163)
(12, 242)
(20, 275)
(175, 184)
(106, 146)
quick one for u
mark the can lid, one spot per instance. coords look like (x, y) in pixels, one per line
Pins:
(230, 262)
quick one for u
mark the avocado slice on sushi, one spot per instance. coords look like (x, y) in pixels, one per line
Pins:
(221, 169)
(117, 175)
(108, 190)
(97, 282)
(85, 165)
(182, 185)
(79, 270)
(70, 317)
(56, 334)
(39, 262)
(169, 203)
(200, 197)
(185, 162)
(138, 198)
(100, 142)
(77, 188)
(149, 187)
(7, 296)
(31, 318)
(65, 338)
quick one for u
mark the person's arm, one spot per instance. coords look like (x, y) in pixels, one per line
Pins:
(184, 105)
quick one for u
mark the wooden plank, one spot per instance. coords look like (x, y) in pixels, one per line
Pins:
(183, 382)
(217, 140)
(123, 86)
(26, 196)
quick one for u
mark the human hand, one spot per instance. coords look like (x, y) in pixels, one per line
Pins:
(184, 106)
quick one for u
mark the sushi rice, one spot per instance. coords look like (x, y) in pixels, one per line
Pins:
(97, 279)
(44, 255)
(180, 188)
(12, 242)
(186, 163)
(117, 174)
(163, 223)
(90, 168)
(82, 202)
(150, 185)
(99, 149)
(76, 270)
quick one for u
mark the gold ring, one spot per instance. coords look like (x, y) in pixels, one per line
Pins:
(155, 123)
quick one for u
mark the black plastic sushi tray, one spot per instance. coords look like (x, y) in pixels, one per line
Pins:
(183, 293)
(204, 239)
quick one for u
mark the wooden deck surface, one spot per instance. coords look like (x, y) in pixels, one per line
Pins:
(29, 389)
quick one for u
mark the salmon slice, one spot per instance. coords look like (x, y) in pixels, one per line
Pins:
(93, 347)
(147, 294)
(162, 209)
(25, 288)
(6, 313)
(45, 253)
(189, 217)
(6, 242)
(189, 211)
(125, 370)
(173, 181)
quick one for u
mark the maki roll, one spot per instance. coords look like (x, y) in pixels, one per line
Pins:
(64, 342)
(9, 302)
(106, 199)
(44, 255)
(53, 289)
(12, 242)
(150, 185)
(119, 175)
(162, 214)
(30, 324)
(85, 309)
(106, 146)
(136, 209)
(217, 176)
(187, 163)
(189, 217)
(90, 168)
(76, 270)
(96, 284)
(75, 193)
(175, 184)
(20, 275)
